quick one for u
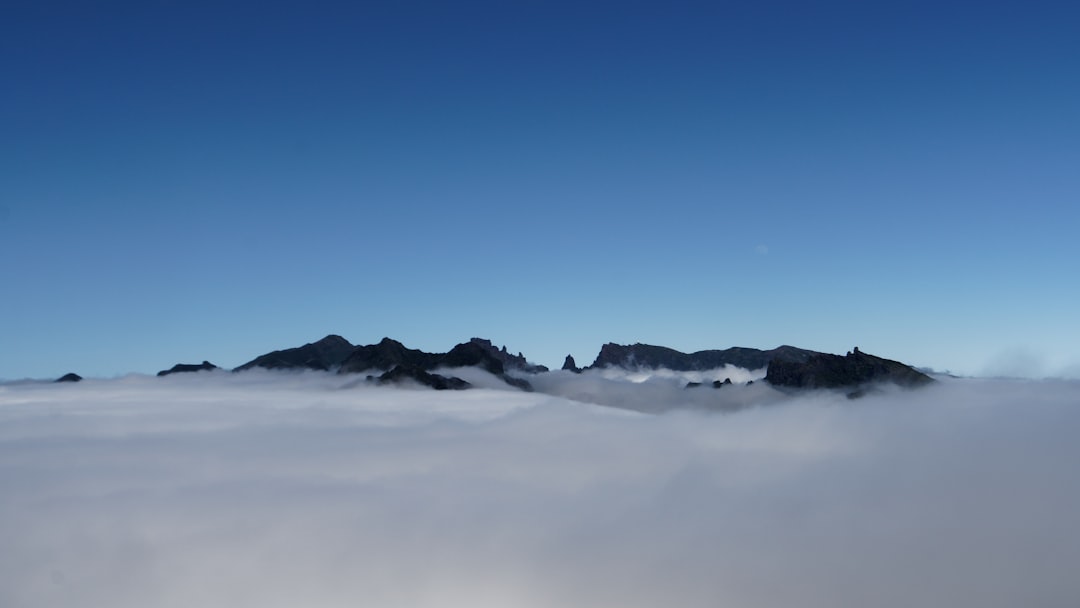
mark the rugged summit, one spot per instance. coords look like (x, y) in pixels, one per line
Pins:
(69, 377)
(477, 352)
(509, 361)
(570, 365)
(386, 355)
(334, 352)
(188, 367)
(646, 355)
(834, 371)
(325, 354)
(787, 366)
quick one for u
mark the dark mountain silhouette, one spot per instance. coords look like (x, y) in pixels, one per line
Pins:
(570, 365)
(402, 372)
(649, 356)
(334, 352)
(70, 377)
(325, 354)
(386, 355)
(180, 368)
(509, 361)
(855, 369)
(477, 352)
(787, 366)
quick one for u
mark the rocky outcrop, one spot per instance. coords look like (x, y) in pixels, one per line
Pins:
(854, 370)
(477, 352)
(570, 365)
(474, 354)
(181, 368)
(401, 373)
(509, 361)
(336, 353)
(71, 377)
(649, 356)
(787, 366)
(386, 355)
(323, 355)
(480, 353)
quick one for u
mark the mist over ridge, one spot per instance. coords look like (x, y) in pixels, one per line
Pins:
(391, 362)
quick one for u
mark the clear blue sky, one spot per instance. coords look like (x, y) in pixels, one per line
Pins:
(213, 180)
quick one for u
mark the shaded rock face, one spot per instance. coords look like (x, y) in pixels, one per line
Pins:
(570, 365)
(521, 383)
(477, 352)
(72, 377)
(403, 372)
(325, 354)
(334, 352)
(509, 361)
(646, 355)
(386, 355)
(480, 353)
(850, 371)
(180, 368)
(474, 354)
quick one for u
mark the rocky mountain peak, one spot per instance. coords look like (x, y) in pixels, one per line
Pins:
(570, 365)
(324, 354)
(188, 368)
(854, 369)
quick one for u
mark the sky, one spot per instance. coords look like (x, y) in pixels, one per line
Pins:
(183, 181)
(274, 490)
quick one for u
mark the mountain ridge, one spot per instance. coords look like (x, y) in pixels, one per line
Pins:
(856, 368)
(786, 366)
(648, 355)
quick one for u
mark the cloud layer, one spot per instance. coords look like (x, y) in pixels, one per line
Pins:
(265, 489)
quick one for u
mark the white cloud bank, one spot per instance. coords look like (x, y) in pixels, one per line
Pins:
(287, 490)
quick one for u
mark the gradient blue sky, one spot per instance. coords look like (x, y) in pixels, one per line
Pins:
(183, 181)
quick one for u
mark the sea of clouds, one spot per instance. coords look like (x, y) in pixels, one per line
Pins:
(270, 489)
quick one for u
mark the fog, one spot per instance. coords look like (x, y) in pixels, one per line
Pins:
(656, 391)
(277, 489)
